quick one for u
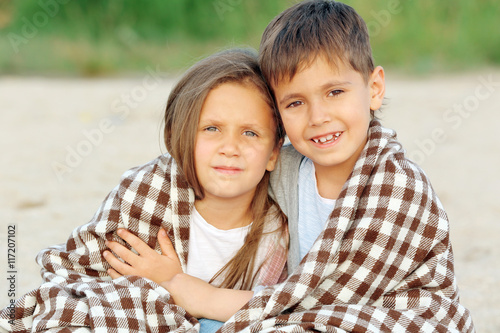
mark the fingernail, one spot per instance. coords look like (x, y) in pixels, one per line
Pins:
(163, 232)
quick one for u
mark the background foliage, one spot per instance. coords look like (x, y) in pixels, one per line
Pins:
(103, 37)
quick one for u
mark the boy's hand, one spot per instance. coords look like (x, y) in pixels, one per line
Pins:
(203, 300)
(148, 263)
(192, 294)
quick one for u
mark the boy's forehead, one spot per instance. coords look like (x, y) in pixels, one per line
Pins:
(287, 75)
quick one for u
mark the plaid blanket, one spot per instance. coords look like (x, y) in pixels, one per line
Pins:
(383, 263)
(78, 295)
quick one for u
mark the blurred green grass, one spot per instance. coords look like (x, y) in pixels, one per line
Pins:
(103, 37)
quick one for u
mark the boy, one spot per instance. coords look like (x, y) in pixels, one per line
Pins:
(369, 239)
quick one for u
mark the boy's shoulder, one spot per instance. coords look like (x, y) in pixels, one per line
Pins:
(288, 152)
(283, 181)
(288, 163)
(393, 163)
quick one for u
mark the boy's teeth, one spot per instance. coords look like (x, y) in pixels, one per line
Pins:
(328, 138)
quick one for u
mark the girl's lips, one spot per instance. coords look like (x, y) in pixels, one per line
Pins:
(228, 170)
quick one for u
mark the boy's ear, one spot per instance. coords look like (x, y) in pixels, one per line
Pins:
(377, 88)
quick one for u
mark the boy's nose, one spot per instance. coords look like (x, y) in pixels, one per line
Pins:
(318, 114)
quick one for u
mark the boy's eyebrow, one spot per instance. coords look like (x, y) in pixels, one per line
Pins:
(335, 83)
(289, 96)
(325, 86)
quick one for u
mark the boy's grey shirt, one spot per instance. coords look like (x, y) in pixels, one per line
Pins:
(284, 189)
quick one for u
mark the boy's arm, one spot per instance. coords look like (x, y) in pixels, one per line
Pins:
(202, 300)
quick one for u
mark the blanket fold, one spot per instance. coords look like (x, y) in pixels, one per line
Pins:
(383, 263)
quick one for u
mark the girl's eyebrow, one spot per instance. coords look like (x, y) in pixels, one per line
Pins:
(211, 121)
(255, 126)
(215, 122)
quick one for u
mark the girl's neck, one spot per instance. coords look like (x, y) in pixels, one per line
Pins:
(225, 214)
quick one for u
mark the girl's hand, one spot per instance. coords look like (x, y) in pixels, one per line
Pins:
(147, 263)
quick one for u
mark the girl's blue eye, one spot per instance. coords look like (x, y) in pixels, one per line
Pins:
(211, 129)
(250, 133)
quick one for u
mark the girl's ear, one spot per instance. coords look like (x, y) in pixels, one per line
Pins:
(271, 164)
(377, 88)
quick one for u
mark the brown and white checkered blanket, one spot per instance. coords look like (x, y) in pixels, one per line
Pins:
(78, 295)
(383, 263)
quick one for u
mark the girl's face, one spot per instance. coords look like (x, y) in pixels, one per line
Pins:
(235, 142)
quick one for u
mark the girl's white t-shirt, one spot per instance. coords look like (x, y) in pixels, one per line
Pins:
(210, 248)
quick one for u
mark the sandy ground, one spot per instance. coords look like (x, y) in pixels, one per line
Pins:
(65, 142)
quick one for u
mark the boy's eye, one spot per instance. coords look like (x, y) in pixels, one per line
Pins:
(294, 104)
(335, 92)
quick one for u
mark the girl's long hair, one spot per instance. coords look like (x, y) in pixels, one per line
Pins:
(182, 114)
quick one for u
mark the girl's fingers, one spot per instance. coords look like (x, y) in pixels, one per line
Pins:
(122, 252)
(138, 244)
(165, 244)
(117, 265)
(114, 274)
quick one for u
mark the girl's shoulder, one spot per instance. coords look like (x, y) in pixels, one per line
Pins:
(160, 165)
(160, 173)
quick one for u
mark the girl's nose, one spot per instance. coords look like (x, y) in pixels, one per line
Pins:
(230, 145)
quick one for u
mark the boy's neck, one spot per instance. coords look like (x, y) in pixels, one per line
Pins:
(330, 180)
(225, 214)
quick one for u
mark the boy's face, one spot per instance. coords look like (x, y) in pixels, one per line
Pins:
(326, 111)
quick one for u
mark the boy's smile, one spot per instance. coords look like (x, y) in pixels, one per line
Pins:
(326, 112)
(327, 139)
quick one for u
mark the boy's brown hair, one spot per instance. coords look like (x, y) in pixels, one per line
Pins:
(314, 28)
(182, 115)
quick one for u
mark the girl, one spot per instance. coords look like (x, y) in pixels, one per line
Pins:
(207, 202)
(220, 125)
